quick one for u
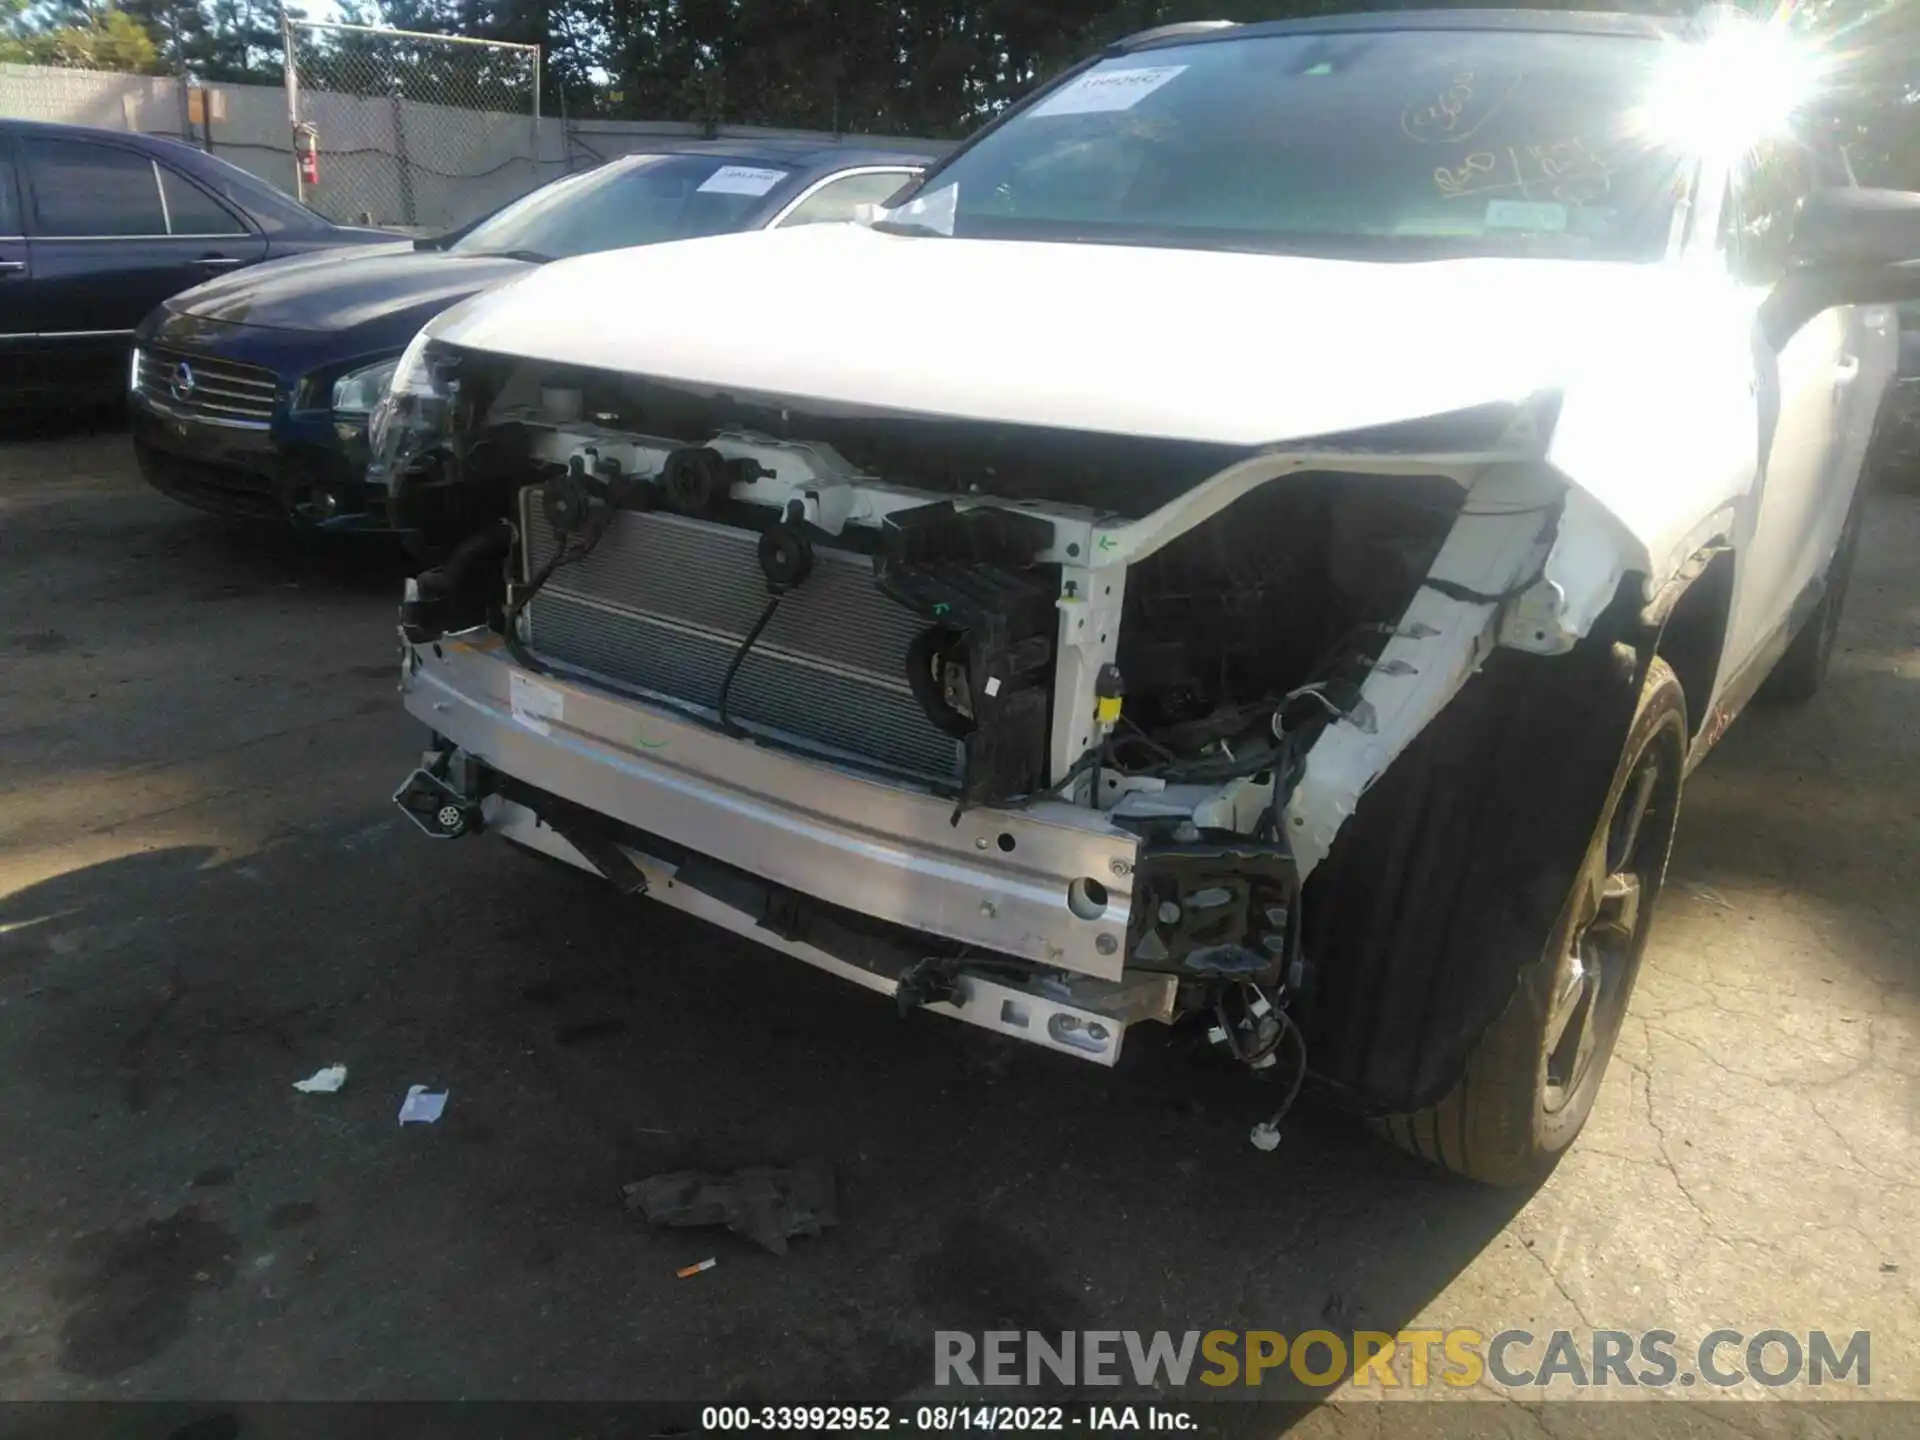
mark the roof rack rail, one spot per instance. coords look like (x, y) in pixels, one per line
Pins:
(1167, 32)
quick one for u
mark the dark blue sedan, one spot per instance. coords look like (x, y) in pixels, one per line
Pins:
(97, 227)
(251, 393)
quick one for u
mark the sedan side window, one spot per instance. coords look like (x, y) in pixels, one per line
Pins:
(837, 200)
(83, 189)
(191, 211)
(9, 203)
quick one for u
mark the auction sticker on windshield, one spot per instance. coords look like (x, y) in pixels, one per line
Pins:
(742, 180)
(1526, 215)
(1109, 90)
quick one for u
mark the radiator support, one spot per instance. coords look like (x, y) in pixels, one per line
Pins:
(662, 604)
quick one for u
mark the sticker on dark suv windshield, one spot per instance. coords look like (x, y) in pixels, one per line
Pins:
(1525, 215)
(1108, 90)
(742, 180)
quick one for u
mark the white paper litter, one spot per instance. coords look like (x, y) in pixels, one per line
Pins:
(323, 1081)
(422, 1106)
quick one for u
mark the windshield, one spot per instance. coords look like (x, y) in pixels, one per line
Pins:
(637, 200)
(1421, 144)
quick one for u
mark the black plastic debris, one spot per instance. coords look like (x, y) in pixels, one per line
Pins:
(767, 1204)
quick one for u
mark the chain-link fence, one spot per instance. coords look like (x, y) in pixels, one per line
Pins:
(451, 164)
(402, 124)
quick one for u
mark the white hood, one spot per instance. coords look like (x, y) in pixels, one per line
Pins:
(1232, 348)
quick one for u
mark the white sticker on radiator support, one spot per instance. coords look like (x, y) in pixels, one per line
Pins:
(534, 704)
(993, 685)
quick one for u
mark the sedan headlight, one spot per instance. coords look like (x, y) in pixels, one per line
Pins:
(414, 415)
(358, 391)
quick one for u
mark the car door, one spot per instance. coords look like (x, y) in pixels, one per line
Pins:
(839, 197)
(17, 327)
(1805, 392)
(1870, 368)
(111, 233)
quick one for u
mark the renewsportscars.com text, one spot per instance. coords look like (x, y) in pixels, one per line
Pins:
(1416, 1359)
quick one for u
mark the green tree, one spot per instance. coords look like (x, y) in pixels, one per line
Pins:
(82, 37)
(1872, 53)
(231, 41)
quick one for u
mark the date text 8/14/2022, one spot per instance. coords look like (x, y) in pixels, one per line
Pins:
(947, 1419)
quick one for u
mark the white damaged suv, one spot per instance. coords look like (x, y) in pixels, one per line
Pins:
(1255, 540)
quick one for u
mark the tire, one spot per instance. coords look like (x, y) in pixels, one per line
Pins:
(1800, 672)
(1531, 1077)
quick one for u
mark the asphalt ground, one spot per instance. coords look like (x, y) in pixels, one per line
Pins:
(205, 894)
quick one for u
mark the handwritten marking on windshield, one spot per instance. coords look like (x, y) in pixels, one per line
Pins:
(1458, 112)
(1578, 175)
(1565, 169)
(1453, 182)
(1442, 117)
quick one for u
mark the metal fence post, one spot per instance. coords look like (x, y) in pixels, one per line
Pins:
(419, 129)
(290, 71)
(402, 163)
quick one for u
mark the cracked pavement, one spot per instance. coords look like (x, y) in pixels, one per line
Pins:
(205, 895)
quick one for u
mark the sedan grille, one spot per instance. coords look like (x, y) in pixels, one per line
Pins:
(200, 387)
(663, 603)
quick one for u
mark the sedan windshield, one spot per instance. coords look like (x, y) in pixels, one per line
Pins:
(1414, 144)
(637, 200)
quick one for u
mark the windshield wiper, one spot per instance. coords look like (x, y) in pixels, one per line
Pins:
(532, 257)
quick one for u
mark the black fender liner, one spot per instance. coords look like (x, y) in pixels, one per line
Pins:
(1449, 877)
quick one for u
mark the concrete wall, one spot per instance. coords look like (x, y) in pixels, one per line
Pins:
(398, 162)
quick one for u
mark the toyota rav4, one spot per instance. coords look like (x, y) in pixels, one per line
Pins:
(1255, 539)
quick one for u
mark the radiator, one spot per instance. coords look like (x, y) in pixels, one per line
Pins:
(663, 602)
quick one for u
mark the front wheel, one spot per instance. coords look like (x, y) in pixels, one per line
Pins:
(1531, 1078)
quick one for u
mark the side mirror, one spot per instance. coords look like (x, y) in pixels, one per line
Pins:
(1849, 247)
(1856, 227)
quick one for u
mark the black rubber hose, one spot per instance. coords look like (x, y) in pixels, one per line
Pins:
(739, 659)
(450, 576)
(510, 627)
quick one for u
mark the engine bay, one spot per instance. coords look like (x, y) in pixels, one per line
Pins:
(1052, 716)
(1163, 654)
(1007, 643)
